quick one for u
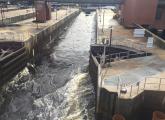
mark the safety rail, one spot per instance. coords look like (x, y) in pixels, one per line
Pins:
(123, 55)
(10, 36)
(149, 83)
(12, 63)
(158, 41)
(129, 90)
(10, 20)
(138, 46)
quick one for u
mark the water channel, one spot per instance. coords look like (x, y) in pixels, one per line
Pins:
(61, 88)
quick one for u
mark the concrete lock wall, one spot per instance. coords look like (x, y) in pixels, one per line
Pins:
(142, 106)
(93, 71)
(139, 107)
(111, 104)
(11, 64)
(107, 104)
(29, 51)
(153, 101)
(35, 44)
(130, 108)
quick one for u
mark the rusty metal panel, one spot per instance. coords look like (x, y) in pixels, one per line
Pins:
(48, 11)
(40, 7)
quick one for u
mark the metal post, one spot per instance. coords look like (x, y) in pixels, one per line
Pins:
(110, 36)
(103, 21)
(56, 13)
(145, 83)
(33, 9)
(138, 87)
(128, 54)
(96, 27)
(2, 15)
(100, 16)
(131, 91)
(118, 86)
(119, 56)
(46, 6)
(109, 57)
(104, 55)
(99, 85)
(66, 9)
(160, 83)
(110, 43)
(37, 24)
(50, 37)
(1, 74)
(69, 8)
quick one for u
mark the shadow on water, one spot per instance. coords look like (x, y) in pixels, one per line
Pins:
(61, 88)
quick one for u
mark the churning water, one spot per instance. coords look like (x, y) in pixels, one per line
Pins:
(61, 88)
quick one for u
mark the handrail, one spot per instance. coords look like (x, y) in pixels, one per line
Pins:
(144, 83)
(12, 54)
(142, 52)
(139, 86)
(9, 64)
(135, 83)
(138, 46)
(120, 55)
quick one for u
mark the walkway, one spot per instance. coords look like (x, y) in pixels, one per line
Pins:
(127, 73)
(22, 31)
(18, 12)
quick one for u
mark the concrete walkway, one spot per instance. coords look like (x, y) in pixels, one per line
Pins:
(22, 31)
(18, 12)
(130, 72)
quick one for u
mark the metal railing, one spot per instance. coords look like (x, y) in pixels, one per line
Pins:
(149, 83)
(138, 46)
(10, 36)
(12, 63)
(130, 90)
(14, 19)
(158, 41)
(122, 55)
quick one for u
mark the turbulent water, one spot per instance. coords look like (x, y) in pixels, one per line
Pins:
(61, 88)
